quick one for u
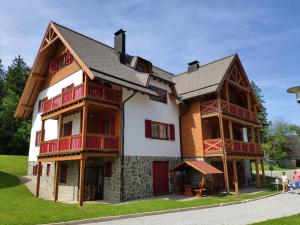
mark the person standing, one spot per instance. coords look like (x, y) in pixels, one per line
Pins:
(284, 182)
(296, 179)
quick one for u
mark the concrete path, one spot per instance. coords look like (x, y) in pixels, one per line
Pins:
(246, 213)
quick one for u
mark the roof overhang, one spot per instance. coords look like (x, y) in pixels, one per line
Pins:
(201, 166)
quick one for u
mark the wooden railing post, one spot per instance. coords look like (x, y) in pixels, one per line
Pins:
(84, 125)
(59, 124)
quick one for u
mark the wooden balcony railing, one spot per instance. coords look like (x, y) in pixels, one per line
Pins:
(74, 143)
(99, 141)
(71, 94)
(66, 96)
(216, 146)
(235, 110)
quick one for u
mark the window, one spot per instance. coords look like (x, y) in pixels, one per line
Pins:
(41, 104)
(38, 138)
(34, 170)
(67, 129)
(108, 169)
(48, 170)
(162, 94)
(157, 130)
(107, 126)
(63, 173)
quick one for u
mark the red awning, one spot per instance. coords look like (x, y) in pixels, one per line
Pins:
(201, 166)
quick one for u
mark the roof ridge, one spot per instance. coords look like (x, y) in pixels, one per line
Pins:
(214, 61)
(164, 70)
(83, 35)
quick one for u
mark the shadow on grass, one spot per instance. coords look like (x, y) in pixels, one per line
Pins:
(7, 180)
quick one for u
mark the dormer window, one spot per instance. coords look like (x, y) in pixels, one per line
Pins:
(162, 94)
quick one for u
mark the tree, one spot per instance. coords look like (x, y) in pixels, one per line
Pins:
(2, 77)
(17, 75)
(262, 116)
(15, 133)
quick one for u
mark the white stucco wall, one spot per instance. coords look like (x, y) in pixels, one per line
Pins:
(50, 125)
(137, 110)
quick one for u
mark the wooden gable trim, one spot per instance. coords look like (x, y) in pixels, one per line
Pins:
(235, 61)
(51, 36)
(76, 57)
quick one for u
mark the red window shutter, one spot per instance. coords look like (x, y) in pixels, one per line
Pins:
(34, 170)
(101, 126)
(40, 106)
(108, 169)
(36, 138)
(112, 126)
(172, 132)
(148, 130)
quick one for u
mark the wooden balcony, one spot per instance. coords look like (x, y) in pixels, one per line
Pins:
(215, 146)
(97, 142)
(73, 94)
(213, 107)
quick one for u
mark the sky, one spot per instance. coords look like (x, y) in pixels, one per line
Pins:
(170, 34)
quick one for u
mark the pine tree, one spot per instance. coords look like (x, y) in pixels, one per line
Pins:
(14, 138)
(262, 116)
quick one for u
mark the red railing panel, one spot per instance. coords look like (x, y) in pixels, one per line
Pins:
(95, 92)
(44, 148)
(64, 144)
(93, 142)
(76, 142)
(78, 91)
(56, 101)
(67, 96)
(111, 142)
(48, 105)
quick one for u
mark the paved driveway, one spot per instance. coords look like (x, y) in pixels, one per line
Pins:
(246, 213)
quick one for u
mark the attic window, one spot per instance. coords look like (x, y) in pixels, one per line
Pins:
(60, 62)
(161, 92)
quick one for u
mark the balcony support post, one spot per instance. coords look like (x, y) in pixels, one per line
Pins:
(248, 101)
(258, 184)
(38, 179)
(81, 181)
(225, 170)
(230, 130)
(56, 180)
(236, 181)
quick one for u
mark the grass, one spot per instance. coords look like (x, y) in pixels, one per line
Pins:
(267, 167)
(19, 206)
(284, 220)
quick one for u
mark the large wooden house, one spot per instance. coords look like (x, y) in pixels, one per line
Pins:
(219, 119)
(108, 125)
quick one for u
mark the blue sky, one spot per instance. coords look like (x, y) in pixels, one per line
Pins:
(265, 34)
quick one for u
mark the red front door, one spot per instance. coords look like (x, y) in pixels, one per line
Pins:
(160, 177)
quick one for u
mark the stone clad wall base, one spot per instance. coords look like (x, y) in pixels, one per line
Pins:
(66, 192)
(138, 175)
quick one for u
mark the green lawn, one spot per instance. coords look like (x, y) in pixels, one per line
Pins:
(19, 206)
(267, 167)
(285, 220)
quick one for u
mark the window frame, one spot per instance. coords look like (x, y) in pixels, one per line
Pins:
(155, 98)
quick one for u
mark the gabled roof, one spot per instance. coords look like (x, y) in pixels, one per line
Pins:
(96, 59)
(101, 57)
(201, 166)
(204, 80)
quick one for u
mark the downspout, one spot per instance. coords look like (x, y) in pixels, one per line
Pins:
(186, 107)
(122, 147)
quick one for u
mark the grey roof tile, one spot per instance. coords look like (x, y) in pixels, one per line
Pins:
(205, 80)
